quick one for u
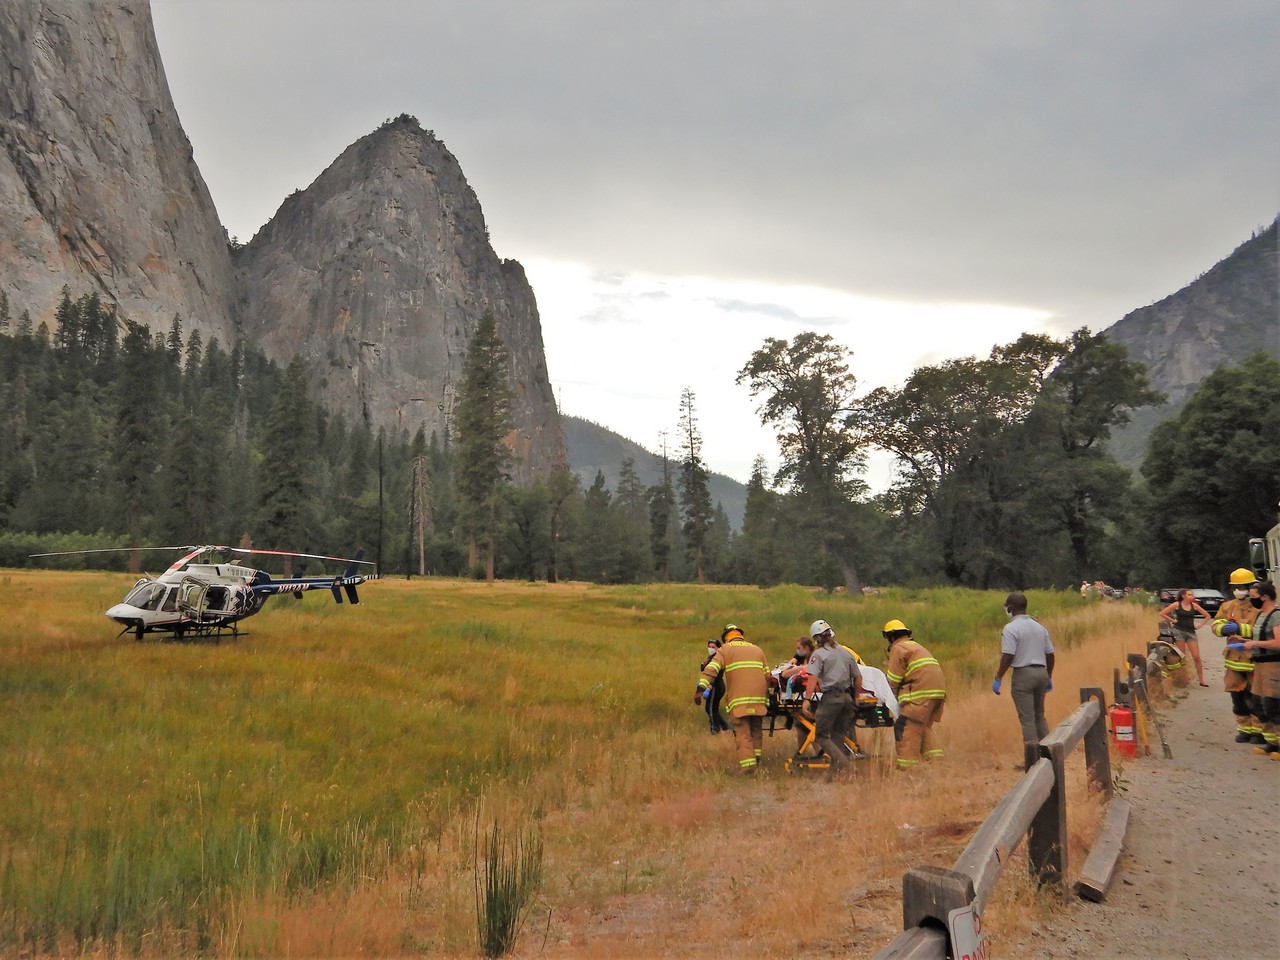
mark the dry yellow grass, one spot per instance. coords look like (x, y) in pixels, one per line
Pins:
(770, 867)
(652, 847)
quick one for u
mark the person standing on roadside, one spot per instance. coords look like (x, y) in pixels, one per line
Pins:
(746, 698)
(1265, 647)
(832, 670)
(1237, 677)
(1026, 648)
(1182, 613)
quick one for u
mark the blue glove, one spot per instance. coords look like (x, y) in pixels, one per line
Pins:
(1235, 646)
(1049, 686)
(995, 686)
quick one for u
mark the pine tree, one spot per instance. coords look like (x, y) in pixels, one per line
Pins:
(288, 458)
(137, 447)
(662, 509)
(695, 495)
(482, 421)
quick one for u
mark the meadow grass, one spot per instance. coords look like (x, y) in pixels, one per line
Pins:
(306, 789)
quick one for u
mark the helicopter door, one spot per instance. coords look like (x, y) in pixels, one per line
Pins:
(170, 604)
(217, 600)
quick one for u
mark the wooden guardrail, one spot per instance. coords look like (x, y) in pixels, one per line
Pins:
(934, 897)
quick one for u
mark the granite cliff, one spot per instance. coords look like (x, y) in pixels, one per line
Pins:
(377, 274)
(1229, 312)
(98, 187)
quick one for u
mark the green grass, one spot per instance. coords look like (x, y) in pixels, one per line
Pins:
(145, 788)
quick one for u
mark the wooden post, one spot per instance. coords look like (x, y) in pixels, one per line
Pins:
(1097, 757)
(929, 894)
(1047, 841)
(1100, 866)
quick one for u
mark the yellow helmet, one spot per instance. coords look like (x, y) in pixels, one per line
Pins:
(728, 632)
(1240, 577)
(893, 628)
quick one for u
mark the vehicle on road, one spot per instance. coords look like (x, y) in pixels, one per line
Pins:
(1264, 555)
(1211, 600)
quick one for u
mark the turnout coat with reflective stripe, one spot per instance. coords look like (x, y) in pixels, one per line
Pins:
(914, 673)
(1241, 611)
(743, 668)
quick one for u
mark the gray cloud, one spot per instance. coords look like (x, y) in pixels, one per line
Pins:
(1082, 158)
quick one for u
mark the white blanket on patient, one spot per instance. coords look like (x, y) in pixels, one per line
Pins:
(874, 681)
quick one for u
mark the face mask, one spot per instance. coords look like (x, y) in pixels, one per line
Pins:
(1240, 594)
(711, 651)
(1257, 602)
(802, 655)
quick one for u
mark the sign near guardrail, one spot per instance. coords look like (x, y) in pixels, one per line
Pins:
(967, 939)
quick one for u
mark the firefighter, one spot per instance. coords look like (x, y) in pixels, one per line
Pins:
(918, 683)
(1265, 646)
(1238, 675)
(742, 667)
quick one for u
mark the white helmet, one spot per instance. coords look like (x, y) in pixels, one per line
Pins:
(821, 630)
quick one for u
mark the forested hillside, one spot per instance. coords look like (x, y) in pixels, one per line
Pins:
(112, 435)
(594, 448)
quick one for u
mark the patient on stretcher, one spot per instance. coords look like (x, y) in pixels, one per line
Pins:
(876, 707)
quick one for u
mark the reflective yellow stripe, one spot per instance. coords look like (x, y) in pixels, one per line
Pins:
(748, 762)
(745, 663)
(893, 676)
(738, 701)
(907, 763)
(932, 754)
(1239, 666)
(915, 665)
(713, 666)
(915, 695)
(703, 683)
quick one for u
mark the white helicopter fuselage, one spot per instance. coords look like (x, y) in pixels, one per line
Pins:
(199, 594)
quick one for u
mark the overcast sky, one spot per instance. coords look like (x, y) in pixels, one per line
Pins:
(683, 179)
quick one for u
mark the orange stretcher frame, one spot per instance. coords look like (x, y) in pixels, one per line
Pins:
(870, 714)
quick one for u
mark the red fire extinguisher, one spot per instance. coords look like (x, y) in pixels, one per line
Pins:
(1122, 733)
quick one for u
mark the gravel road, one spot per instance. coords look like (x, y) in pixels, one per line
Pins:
(1200, 873)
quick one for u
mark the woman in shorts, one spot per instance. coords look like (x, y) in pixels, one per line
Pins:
(1182, 613)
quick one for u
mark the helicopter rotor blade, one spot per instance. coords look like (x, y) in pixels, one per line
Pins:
(75, 553)
(290, 553)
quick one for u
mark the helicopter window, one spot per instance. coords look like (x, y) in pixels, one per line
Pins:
(217, 598)
(146, 596)
(171, 599)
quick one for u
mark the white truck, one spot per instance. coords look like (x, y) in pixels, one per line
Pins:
(1264, 555)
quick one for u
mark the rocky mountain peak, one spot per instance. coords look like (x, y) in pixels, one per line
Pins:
(99, 191)
(1228, 313)
(378, 273)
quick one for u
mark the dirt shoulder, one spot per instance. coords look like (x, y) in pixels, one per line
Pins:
(1200, 873)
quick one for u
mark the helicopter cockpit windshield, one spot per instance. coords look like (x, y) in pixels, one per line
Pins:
(146, 596)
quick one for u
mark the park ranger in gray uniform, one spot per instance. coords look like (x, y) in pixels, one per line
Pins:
(832, 670)
(1025, 646)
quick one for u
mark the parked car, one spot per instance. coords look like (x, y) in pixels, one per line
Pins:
(1211, 600)
(1168, 595)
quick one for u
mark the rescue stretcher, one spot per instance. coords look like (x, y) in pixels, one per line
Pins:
(786, 710)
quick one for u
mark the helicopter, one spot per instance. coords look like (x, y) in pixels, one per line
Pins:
(193, 599)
